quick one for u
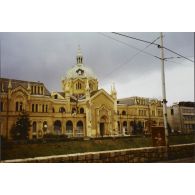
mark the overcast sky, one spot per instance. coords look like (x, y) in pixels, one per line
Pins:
(46, 57)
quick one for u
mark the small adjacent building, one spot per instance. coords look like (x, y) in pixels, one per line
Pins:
(139, 114)
(81, 109)
(181, 117)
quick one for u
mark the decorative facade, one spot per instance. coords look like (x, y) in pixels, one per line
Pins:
(81, 109)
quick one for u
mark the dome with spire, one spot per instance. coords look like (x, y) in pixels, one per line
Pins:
(80, 70)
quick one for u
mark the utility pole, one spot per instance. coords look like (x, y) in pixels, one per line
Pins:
(164, 91)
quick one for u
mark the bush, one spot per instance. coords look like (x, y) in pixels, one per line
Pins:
(54, 137)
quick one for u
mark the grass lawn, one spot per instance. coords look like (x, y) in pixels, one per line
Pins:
(15, 151)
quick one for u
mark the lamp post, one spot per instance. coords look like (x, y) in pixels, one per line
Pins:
(45, 128)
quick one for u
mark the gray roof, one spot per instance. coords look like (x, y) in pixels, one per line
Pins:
(187, 104)
(15, 83)
(131, 100)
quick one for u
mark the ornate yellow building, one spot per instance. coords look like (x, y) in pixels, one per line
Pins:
(81, 109)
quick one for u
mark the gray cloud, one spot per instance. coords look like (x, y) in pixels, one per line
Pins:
(46, 57)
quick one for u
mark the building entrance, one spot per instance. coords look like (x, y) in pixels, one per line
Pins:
(102, 129)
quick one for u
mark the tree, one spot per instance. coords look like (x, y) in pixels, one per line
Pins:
(20, 130)
(140, 127)
(134, 125)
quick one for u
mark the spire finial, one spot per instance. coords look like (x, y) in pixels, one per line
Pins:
(79, 56)
(79, 51)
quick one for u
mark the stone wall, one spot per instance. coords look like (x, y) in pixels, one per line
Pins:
(135, 155)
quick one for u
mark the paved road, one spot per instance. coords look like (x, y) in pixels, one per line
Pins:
(184, 160)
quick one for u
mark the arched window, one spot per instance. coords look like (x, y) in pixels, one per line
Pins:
(55, 96)
(79, 129)
(125, 124)
(125, 127)
(69, 128)
(123, 112)
(73, 110)
(62, 109)
(34, 127)
(81, 110)
(58, 127)
(132, 123)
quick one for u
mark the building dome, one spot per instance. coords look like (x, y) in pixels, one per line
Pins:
(79, 70)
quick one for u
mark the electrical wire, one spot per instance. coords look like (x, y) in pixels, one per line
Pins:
(132, 57)
(129, 45)
(153, 44)
(140, 51)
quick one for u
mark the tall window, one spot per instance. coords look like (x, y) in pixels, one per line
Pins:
(144, 112)
(17, 106)
(31, 89)
(46, 108)
(41, 90)
(21, 106)
(43, 108)
(33, 107)
(35, 90)
(36, 107)
(69, 128)
(79, 129)
(125, 127)
(38, 90)
(34, 127)
(1, 107)
(78, 86)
